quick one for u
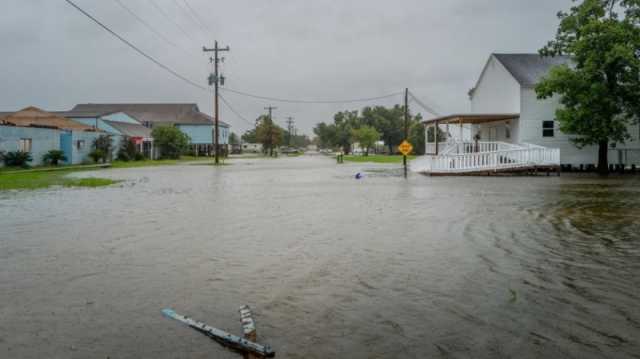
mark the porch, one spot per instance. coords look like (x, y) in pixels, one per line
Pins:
(454, 147)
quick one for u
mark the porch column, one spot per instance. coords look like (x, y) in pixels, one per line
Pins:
(435, 135)
(461, 132)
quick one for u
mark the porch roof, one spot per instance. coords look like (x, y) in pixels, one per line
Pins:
(472, 118)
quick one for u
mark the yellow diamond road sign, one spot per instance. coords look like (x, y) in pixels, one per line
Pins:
(405, 148)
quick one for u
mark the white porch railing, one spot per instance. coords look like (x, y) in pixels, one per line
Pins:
(492, 156)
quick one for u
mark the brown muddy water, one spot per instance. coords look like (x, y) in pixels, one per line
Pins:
(334, 267)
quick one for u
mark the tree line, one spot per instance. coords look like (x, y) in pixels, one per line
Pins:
(369, 125)
(271, 136)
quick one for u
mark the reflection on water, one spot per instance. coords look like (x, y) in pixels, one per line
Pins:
(334, 267)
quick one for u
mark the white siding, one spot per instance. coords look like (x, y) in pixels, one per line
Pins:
(497, 91)
(533, 113)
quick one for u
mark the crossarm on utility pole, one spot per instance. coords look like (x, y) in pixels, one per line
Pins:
(216, 81)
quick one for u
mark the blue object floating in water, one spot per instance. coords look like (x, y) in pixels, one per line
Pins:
(359, 175)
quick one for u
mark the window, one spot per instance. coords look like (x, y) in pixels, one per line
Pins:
(507, 130)
(24, 145)
(79, 144)
(548, 128)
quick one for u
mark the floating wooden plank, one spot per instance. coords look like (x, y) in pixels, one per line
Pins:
(221, 336)
(248, 328)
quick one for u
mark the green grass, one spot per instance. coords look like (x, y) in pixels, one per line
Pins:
(149, 163)
(376, 158)
(44, 179)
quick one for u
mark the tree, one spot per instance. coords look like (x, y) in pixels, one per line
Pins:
(233, 139)
(388, 121)
(269, 135)
(366, 136)
(344, 123)
(54, 157)
(417, 135)
(249, 136)
(102, 146)
(325, 135)
(599, 91)
(171, 141)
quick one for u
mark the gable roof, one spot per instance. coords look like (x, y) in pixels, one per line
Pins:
(130, 129)
(529, 69)
(162, 113)
(35, 117)
(84, 114)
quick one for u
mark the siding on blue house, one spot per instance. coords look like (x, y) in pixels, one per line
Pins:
(199, 134)
(116, 137)
(82, 143)
(203, 134)
(42, 141)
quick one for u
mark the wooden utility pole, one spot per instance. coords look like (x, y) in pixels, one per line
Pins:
(270, 109)
(270, 133)
(216, 82)
(290, 130)
(406, 127)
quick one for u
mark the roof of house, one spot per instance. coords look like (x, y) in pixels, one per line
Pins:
(472, 118)
(173, 113)
(35, 117)
(82, 114)
(130, 129)
(529, 69)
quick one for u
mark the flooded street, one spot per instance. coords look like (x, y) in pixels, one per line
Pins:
(333, 267)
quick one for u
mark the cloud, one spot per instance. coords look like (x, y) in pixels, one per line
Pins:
(53, 57)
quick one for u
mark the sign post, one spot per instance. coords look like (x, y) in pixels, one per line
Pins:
(405, 148)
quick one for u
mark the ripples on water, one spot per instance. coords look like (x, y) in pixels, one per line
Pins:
(334, 266)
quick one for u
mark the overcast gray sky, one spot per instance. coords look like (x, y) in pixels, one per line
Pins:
(53, 57)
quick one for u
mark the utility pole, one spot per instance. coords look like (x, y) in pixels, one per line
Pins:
(270, 108)
(406, 127)
(270, 134)
(290, 130)
(216, 82)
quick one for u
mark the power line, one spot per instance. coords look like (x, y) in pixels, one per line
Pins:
(310, 101)
(146, 24)
(199, 21)
(166, 16)
(426, 107)
(149, 57)
(224, 100)
(191, 19)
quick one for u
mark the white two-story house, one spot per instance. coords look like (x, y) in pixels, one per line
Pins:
(509, 128)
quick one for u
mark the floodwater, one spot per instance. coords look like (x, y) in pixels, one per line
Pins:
(333, 267)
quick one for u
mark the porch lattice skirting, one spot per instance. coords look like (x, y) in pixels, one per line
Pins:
(463, 158)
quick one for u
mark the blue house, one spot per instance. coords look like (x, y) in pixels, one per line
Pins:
(185, 116)
(120, 126)
(37, 132)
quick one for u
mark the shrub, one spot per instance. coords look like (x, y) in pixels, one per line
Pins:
(127, 151)
(54, 157)
(104, 144)
(17, 159)
(171, 141)
(97, 155)
(138, 156)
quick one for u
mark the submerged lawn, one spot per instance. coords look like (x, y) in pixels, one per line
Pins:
(377, 158)
(147, 162)
(35, 180)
